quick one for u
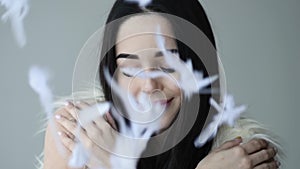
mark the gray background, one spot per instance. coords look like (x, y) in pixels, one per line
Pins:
(258, 42)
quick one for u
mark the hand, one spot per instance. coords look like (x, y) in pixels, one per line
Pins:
(95, 136)
(254, 154)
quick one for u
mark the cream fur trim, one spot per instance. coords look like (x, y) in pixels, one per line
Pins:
(248, 129)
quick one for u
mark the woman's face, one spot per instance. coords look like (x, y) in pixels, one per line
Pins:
(137, 49)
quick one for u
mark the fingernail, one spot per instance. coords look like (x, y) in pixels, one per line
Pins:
(67, 103)
(57, 116)
(59, 133)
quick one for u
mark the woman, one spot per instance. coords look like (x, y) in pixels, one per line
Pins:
(125, 44)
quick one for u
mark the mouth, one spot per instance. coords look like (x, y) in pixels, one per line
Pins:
(165, 102)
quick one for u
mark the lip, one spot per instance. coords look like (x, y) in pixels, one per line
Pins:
(164, 102)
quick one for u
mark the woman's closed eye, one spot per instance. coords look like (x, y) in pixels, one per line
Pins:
(138, 72)
(128, 75)
(130, 71)
(167, 70)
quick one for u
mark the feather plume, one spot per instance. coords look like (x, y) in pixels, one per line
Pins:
(227, 114)
(80, 156)
(185, 69)
(38, 79)
(16, 12)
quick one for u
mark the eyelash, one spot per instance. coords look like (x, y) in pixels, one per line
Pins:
(125, 74)
(167, 70)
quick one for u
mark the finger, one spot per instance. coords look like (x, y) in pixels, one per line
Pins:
(66, 141)
(81, 105)
(262, 156)
(86, 140)
(64, 111)
(102, 137)
(77, 107)
(64, 130)
(229, 144)
(93, 131)
(70, 126)
(101, 123)
(254, 145)
(72, 111)
(110, 120)
(102, 119)
(58, 114)
(269, 165)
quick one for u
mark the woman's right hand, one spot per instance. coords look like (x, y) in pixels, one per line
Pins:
(254, 154)
(93, 136)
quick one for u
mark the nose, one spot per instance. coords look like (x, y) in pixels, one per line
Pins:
(150, 85)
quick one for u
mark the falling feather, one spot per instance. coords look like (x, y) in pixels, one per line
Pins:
(185, 69)
(138, 116)
(231, 112)
(87, 115)
(80, 156)
(38, 79)
(134, 130)
(227, 114)
(134, 150)
(16, 12)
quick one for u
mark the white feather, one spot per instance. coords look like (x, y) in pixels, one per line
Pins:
(191, 81)
(141, 129)
(87, 115)
(133, 150)
(38, 79)
(138, 111)
(79, 157)
(231, 111)
(227, 114)
(16, 12)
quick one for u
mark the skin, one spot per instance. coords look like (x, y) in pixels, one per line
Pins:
(255, 154)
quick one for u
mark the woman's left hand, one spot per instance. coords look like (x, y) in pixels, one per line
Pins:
(97, 137)
(254, 154)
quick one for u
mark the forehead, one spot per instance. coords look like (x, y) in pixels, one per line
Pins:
(139, 33)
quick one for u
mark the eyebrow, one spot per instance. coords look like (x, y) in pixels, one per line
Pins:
(133, 56)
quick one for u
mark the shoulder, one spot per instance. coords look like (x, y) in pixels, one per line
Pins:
(51, 156)
(244, 127)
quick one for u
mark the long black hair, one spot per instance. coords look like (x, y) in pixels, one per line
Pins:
(184, 155)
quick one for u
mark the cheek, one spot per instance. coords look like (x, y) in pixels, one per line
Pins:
(127, 84)
(171, 84)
